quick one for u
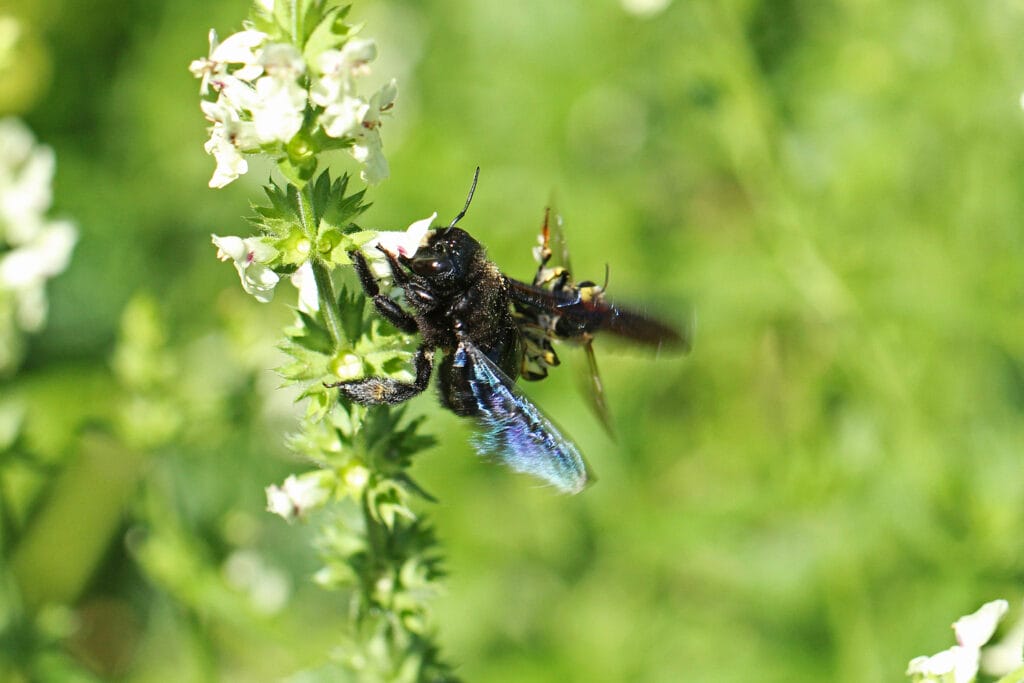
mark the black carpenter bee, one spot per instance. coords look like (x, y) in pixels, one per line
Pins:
(491, 329)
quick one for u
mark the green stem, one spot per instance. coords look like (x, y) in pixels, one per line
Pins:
(324, 285)
(328, 303)
(375, 540)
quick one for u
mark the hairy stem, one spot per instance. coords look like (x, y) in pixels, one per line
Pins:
(324, 285)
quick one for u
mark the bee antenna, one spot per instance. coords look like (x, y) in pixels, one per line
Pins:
(472, 189)
(607, 272)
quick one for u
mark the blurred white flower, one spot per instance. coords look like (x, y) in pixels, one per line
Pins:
(1008, 654)
(33, 247)
(10, 34)
(250, 256)
(25, 270)
(645, 8)
(298, 495)
(282, 60)
(268, 588)
(974, 630)
(959, 664)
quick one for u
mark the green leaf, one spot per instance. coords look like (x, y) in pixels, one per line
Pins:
(333, 209)
(329, 33)
(316, 337)
(352, 307)
(282, 217)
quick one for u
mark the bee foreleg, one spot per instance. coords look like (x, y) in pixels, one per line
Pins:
(381, 390)
(388, 308)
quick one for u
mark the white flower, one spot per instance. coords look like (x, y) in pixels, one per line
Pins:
(230, 162)
(42, 258)
(282, 60)
(955, 665)
(351, 60)
(1006, 655)
(369, 151)
(229, 136)
(344, 117)
(259, 101)
(400, 242)
(304, 281)
(26, 177)
(236, 95)
(299, 495)
(250, 256)
(33, 248)
(974, 630)
(959, 664)
(369, 148)
(345, 113)
(238, 48)
(278, 111)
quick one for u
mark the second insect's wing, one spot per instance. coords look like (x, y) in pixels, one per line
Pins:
(514, 430)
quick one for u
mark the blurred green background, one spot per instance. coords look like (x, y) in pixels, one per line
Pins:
(815, 493)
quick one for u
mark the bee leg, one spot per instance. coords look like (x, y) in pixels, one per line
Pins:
(388, 308)
(380, 390)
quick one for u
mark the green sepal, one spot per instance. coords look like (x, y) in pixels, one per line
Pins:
(298, 171)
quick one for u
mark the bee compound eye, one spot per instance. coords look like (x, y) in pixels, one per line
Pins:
(431, 266)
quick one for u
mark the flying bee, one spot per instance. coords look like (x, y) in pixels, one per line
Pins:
(574, 312)
(490, 330)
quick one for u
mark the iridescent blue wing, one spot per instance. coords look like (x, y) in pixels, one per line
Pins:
(514, 430)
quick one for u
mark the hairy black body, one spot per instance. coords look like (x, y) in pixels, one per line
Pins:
(455, 294)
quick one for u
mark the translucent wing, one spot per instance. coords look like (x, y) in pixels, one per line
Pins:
(595, 390)
(514, 430)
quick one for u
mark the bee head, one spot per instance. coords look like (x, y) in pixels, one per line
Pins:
(449, 257)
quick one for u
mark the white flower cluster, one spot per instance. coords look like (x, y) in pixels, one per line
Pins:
(264, 90)
(33, 248)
